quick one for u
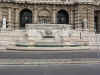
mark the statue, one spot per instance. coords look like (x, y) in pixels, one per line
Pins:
(4, 23)
(85, 23)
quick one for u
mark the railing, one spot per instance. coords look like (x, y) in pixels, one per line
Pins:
(97, 41)
(93, 40)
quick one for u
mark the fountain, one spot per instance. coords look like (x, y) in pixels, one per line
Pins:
(50, 35)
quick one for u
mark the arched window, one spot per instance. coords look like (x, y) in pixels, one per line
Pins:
(62, 17)
(25, 17)
(97, 21)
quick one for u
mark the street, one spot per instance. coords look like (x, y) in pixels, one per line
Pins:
(54, 69)
(50, 69)
(49, 55)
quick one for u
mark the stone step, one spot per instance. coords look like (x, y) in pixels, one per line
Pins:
(68, 48)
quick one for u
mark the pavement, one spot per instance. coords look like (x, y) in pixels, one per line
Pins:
(49, 57)
(83, 62)
(47, 61)
(54, 69)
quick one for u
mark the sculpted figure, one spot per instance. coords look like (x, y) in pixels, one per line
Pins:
(4, 23)
(85, 23)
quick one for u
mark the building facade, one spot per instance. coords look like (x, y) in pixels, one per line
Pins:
(70, 12)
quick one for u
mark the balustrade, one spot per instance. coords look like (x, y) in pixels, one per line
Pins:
(49, 1)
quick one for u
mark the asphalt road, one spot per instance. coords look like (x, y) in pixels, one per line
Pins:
(48, 55)
(61, 69)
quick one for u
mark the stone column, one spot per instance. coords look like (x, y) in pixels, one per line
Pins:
(0, 17)
(91, 19)
(54, 15)
(35, 15)
(17, 17)
(77, 19)
(9, 18)
(71, 17)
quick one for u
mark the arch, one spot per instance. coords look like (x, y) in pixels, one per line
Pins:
(96, 21)
(62, 17)
(25, 17)
(44, 16)
(44, 13)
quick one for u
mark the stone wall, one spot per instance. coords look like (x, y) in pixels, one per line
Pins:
(77, 12)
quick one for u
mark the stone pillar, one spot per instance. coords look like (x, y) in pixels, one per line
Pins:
(77, 19)
(9, 18)
(0, 17)
(71, 17)
(84, 11)
(17, 17)
(54, 15)
(91, 18)
(35, 15)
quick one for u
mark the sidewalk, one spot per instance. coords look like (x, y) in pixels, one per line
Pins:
(47, 61)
